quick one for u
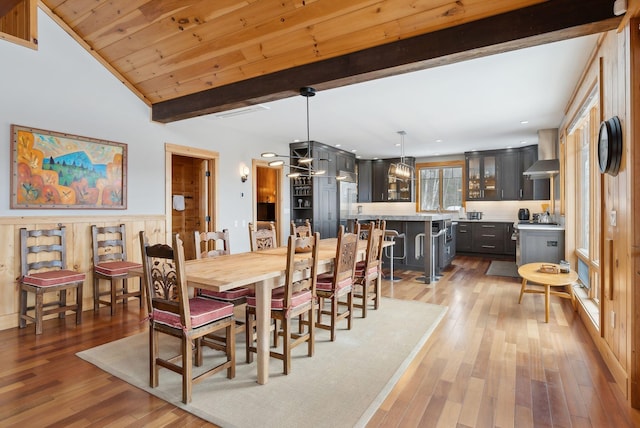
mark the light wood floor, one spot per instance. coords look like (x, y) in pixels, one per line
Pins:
(491, 362)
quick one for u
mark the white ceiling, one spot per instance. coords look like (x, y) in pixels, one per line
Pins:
(477, 104)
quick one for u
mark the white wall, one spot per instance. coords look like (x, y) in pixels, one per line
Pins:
(60, 87)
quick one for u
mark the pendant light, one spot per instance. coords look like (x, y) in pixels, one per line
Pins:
(300, 166)
(401, 170)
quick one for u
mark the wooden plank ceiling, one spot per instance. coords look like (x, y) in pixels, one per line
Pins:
(192, 57)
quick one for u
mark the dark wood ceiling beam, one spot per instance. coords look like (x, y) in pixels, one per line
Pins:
(542, 23)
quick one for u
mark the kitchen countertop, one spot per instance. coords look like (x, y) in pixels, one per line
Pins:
(395, 217)
(537, 226)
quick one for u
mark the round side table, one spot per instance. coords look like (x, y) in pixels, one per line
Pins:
(550, 281)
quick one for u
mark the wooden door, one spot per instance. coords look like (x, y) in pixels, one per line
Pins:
(191, 177)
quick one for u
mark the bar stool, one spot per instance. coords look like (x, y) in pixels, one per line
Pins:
(392, 235)
(419, 245)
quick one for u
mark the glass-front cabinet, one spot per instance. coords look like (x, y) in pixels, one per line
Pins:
(481, 177)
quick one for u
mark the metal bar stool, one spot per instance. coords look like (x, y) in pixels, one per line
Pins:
(392, 235)
(419, 245)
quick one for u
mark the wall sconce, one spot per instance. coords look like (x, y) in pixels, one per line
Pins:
(244, 173)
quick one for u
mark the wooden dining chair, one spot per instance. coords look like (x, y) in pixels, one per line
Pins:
(193, 320)
(110, 263)
(43, 269)
(297, 298)
(214, 244)
(262, 239)
(338, 284)
(367, 272)
(301, 230)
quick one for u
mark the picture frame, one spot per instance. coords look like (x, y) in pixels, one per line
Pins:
(57, 170)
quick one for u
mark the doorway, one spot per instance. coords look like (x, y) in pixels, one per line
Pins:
(191, 190)
(267, 200)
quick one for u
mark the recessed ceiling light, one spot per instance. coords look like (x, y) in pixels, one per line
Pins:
(338, 145)
(358, 157)
(508, 147)
(524, 122)
(523, 142)
(397, 144)
(375, 158)
(438, 141)
(354, 150)
(296, 140)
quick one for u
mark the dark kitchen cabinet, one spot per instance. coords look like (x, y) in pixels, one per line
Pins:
(391, 182)
(482, 182)
(463, 237)
(538, 189)
(496, 175)
(490, 238)
(316, 198)
(379, 179)
(364, 180)
(510, 175)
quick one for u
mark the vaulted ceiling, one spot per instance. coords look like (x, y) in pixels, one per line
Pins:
(187, 58)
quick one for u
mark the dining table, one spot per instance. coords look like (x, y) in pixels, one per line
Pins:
(264, 270)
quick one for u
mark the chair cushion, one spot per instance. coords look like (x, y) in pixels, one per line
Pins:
(277, 298)
(53, 277)
(325, 285)
(116, 268)
(371, 273)
(203, 311)
(233, 294)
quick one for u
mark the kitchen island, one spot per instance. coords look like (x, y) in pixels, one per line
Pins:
(415, 251)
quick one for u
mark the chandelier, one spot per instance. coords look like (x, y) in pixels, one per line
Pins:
(401, 170)
(300, 166)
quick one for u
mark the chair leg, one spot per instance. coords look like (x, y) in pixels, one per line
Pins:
(153, 355)
(79, 303)
(248, 334)
(231, 349)
(311, 328)
(22, 323)
(62, 295)
(350, 309)
(96, 293)
(113, 285)
(286, 344)
(524, 284)
(187, 355)
(365, 297)
(334, 315)
(38, 312)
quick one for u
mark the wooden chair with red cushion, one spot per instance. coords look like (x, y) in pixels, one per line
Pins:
(214, 244)
(193, 321)
(297, 298)
(43, 264)
(367, 285)
(262, 239)
(338, 284)
(301, 230)
(110, 263)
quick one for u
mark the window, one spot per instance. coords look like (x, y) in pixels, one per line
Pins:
(440, 186)
(583, 136)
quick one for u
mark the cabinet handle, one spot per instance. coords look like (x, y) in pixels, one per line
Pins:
(488, 246)
(488, 226)
(488, 236)
(520, 193)
(462, 231)
(501, 194)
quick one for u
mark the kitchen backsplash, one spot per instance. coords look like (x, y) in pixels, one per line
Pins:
(491, 210)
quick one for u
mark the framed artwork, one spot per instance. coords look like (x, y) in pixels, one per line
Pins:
(55, 170)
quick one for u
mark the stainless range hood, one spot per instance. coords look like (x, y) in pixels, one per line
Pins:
(547, 164)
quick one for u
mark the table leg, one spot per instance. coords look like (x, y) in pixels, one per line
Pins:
(524, 285)
(263, 305)
(547, 295)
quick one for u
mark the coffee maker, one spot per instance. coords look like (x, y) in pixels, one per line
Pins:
(523, 214)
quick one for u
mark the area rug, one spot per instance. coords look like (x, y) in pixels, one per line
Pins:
(503, 268)
(342, 385)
